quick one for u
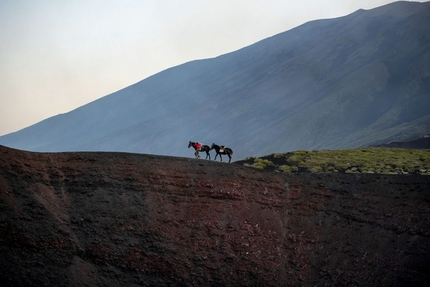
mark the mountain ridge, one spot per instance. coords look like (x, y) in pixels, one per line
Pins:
(362, 79)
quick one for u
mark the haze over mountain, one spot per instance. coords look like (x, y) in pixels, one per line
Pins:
(358, 80)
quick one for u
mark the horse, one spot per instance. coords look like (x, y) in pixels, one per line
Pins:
(200, 147)
(222, 150)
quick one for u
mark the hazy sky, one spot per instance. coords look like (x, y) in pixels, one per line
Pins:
(58, 55)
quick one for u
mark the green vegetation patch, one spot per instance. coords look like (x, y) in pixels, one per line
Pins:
(260, 163)
(364, 160)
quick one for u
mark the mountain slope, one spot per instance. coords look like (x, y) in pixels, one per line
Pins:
(122, 219)
(362, 79)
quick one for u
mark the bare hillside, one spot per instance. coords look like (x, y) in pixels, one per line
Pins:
(118, 219)
(353, 81)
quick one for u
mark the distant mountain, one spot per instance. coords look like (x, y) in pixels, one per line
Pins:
(353, 81)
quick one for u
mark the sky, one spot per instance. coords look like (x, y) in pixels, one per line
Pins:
(56, 56)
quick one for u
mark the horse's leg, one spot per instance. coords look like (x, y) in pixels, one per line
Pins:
(208, 155)
(229, 158)
(220, 157)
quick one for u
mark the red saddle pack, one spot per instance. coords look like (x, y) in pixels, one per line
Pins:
(197, 146)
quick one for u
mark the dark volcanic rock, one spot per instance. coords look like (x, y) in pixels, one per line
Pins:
(117, 219)
(421, 143)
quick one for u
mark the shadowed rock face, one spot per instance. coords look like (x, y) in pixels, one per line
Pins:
(118, 219)
(421, 143)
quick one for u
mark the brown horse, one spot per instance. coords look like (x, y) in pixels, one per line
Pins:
(200, 147)
(222, 150)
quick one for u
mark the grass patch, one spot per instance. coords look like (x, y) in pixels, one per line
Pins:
(260, 163)
(364, 160)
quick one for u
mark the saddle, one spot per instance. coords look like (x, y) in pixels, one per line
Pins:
(222, 149)
(197, 146)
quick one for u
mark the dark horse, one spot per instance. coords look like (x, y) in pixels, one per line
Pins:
(200, 147)
(222, 150)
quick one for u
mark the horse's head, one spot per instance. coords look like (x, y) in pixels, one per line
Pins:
(213, 145)
(190, 144)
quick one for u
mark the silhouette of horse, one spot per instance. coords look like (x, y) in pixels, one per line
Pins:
(222, 150)
(200, 147)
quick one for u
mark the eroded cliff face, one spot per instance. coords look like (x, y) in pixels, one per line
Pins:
(117, 219)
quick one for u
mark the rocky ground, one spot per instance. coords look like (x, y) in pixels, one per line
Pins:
(118, 219)
(421, 143)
